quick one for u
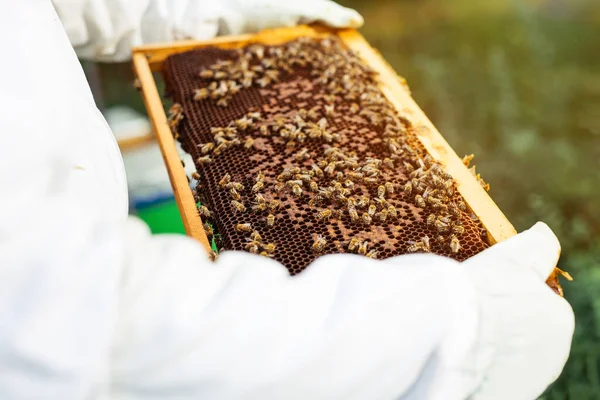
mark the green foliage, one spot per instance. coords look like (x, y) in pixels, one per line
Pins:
(517, 83)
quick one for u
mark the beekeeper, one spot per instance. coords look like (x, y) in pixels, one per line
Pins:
(92, 306)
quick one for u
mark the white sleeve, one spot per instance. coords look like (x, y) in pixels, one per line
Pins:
(105, 30)
(346, 328)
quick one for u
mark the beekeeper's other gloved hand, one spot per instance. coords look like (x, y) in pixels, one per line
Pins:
(525, 328)
(105, 30)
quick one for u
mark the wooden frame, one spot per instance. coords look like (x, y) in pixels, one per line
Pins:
(148, 59)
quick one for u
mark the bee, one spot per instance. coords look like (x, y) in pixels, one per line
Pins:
(372, 254)
(201, 94)
(356, 176)
(243, 123)
(304, 177)
(234, 194)
(204, 160)
(259, 207)
(388, 163)
(235, 185)
(362, 202)
(264, 130)
(284, 176)
(382, 215)
(206, 147)
(370, 181)
(269, 248)
(273, 205)
(260, 176)
(205, 212)
(420, 201)
(433, 201)
(381, 191)
(408, 167)
(445, 219)
(329, 110)
(297, 190)
(372, 209)
(213, 255)
(353, 214)
(363, 247)
(366, 218)
(466, 160)
(323, 214)
(254, 115)
(319, 243)
(461, 205)
(249, 143)
(258, 186)
(195, 175)
(302, 155)
(278, 187)
(208, 229)
(220, 148)
(330, 168)
(431, 220)
(458, 229)
(417, 246)
(389, 188)
(454, 244)
(252, 247)
(353, 244)
(243, 227)
(415, 184)
(322, 163)
(270, 220)
(441, 226)
(312, 114)
(354, 108)
(255, 236)
(223, 102)
(426, 244)
(314, 187)
(238, 206)
(220, 75)
(440, 239)
(264, 254)
(318, 171)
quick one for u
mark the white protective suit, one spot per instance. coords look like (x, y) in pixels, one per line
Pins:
(92, 306)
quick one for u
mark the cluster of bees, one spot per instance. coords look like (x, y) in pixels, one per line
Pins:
(337, 182)
(255, 244)
(255, 66)
(174, 118)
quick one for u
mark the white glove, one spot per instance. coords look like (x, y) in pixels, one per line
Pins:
(105, 30)
(526, 329)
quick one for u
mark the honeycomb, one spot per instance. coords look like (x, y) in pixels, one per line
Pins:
(358, 136)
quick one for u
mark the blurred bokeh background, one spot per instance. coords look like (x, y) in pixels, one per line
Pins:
(517, 82)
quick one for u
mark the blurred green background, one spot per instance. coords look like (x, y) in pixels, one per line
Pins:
(518, 84)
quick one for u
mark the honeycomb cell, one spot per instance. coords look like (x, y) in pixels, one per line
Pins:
(295, 224)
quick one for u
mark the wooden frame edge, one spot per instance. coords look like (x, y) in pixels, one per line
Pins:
(183, 195)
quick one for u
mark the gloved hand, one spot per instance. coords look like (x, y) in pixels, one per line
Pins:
(526, 328)
(104, 30)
